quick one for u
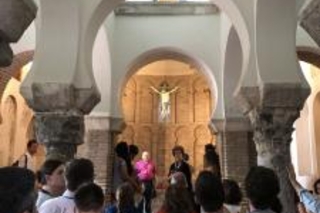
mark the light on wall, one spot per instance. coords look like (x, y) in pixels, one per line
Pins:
(25, 70)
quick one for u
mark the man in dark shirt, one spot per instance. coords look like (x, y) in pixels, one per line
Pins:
(180, 165)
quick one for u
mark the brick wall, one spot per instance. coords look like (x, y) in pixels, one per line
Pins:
(236, 147)
(238, 155)
(97, 147)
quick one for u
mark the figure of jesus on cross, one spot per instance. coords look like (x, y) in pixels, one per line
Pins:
(164, 101)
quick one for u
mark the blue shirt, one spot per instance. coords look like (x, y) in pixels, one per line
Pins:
(311, 202)
(114, 209)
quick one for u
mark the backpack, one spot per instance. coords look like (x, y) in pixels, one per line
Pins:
(16, 163)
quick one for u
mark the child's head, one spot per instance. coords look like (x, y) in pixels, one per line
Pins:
(125, 195)
(89, 198)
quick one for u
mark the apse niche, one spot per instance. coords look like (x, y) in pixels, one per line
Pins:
(168, 103)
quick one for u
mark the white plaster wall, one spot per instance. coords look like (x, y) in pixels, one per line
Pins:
(102, 72)
(231, 65)
(100, 59)
(232, 73)
(205, 36)
(225, 29)
(275, 41)
(224, 32)
(304, 39)
(27, 41)
(132, 36)
(109, 26)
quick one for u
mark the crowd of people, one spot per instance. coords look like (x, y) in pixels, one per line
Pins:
(68, 187)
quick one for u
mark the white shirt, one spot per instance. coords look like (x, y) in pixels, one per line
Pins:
(29, 161)
(61, 204)
(232, 208)
(42, 197)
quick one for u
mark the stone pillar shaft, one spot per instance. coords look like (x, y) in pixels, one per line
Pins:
(272, 110)
(60, 133)
(272, 136)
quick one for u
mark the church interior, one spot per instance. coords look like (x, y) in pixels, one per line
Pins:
(240, 75)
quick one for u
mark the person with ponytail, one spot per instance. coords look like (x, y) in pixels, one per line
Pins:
(211, 160)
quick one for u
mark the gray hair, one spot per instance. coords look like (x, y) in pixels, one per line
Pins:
(179, 179)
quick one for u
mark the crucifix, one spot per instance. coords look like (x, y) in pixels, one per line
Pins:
(164, 101)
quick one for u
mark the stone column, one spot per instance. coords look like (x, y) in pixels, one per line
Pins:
(60, 132)
(235, 147)
(60, 87)
(59, 116)
(272, 110)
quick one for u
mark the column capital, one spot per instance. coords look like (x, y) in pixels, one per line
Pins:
(230, 124)
(272, 95)
(272, 110)
(60, 97)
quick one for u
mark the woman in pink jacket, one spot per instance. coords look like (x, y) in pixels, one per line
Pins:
(145, 171)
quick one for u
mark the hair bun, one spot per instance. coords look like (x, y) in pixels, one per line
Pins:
(209, 148)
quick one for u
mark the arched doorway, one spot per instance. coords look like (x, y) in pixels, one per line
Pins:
(191, 107)
(16, 128)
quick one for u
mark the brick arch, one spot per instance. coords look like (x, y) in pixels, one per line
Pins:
(13, 71)
(310, 55)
